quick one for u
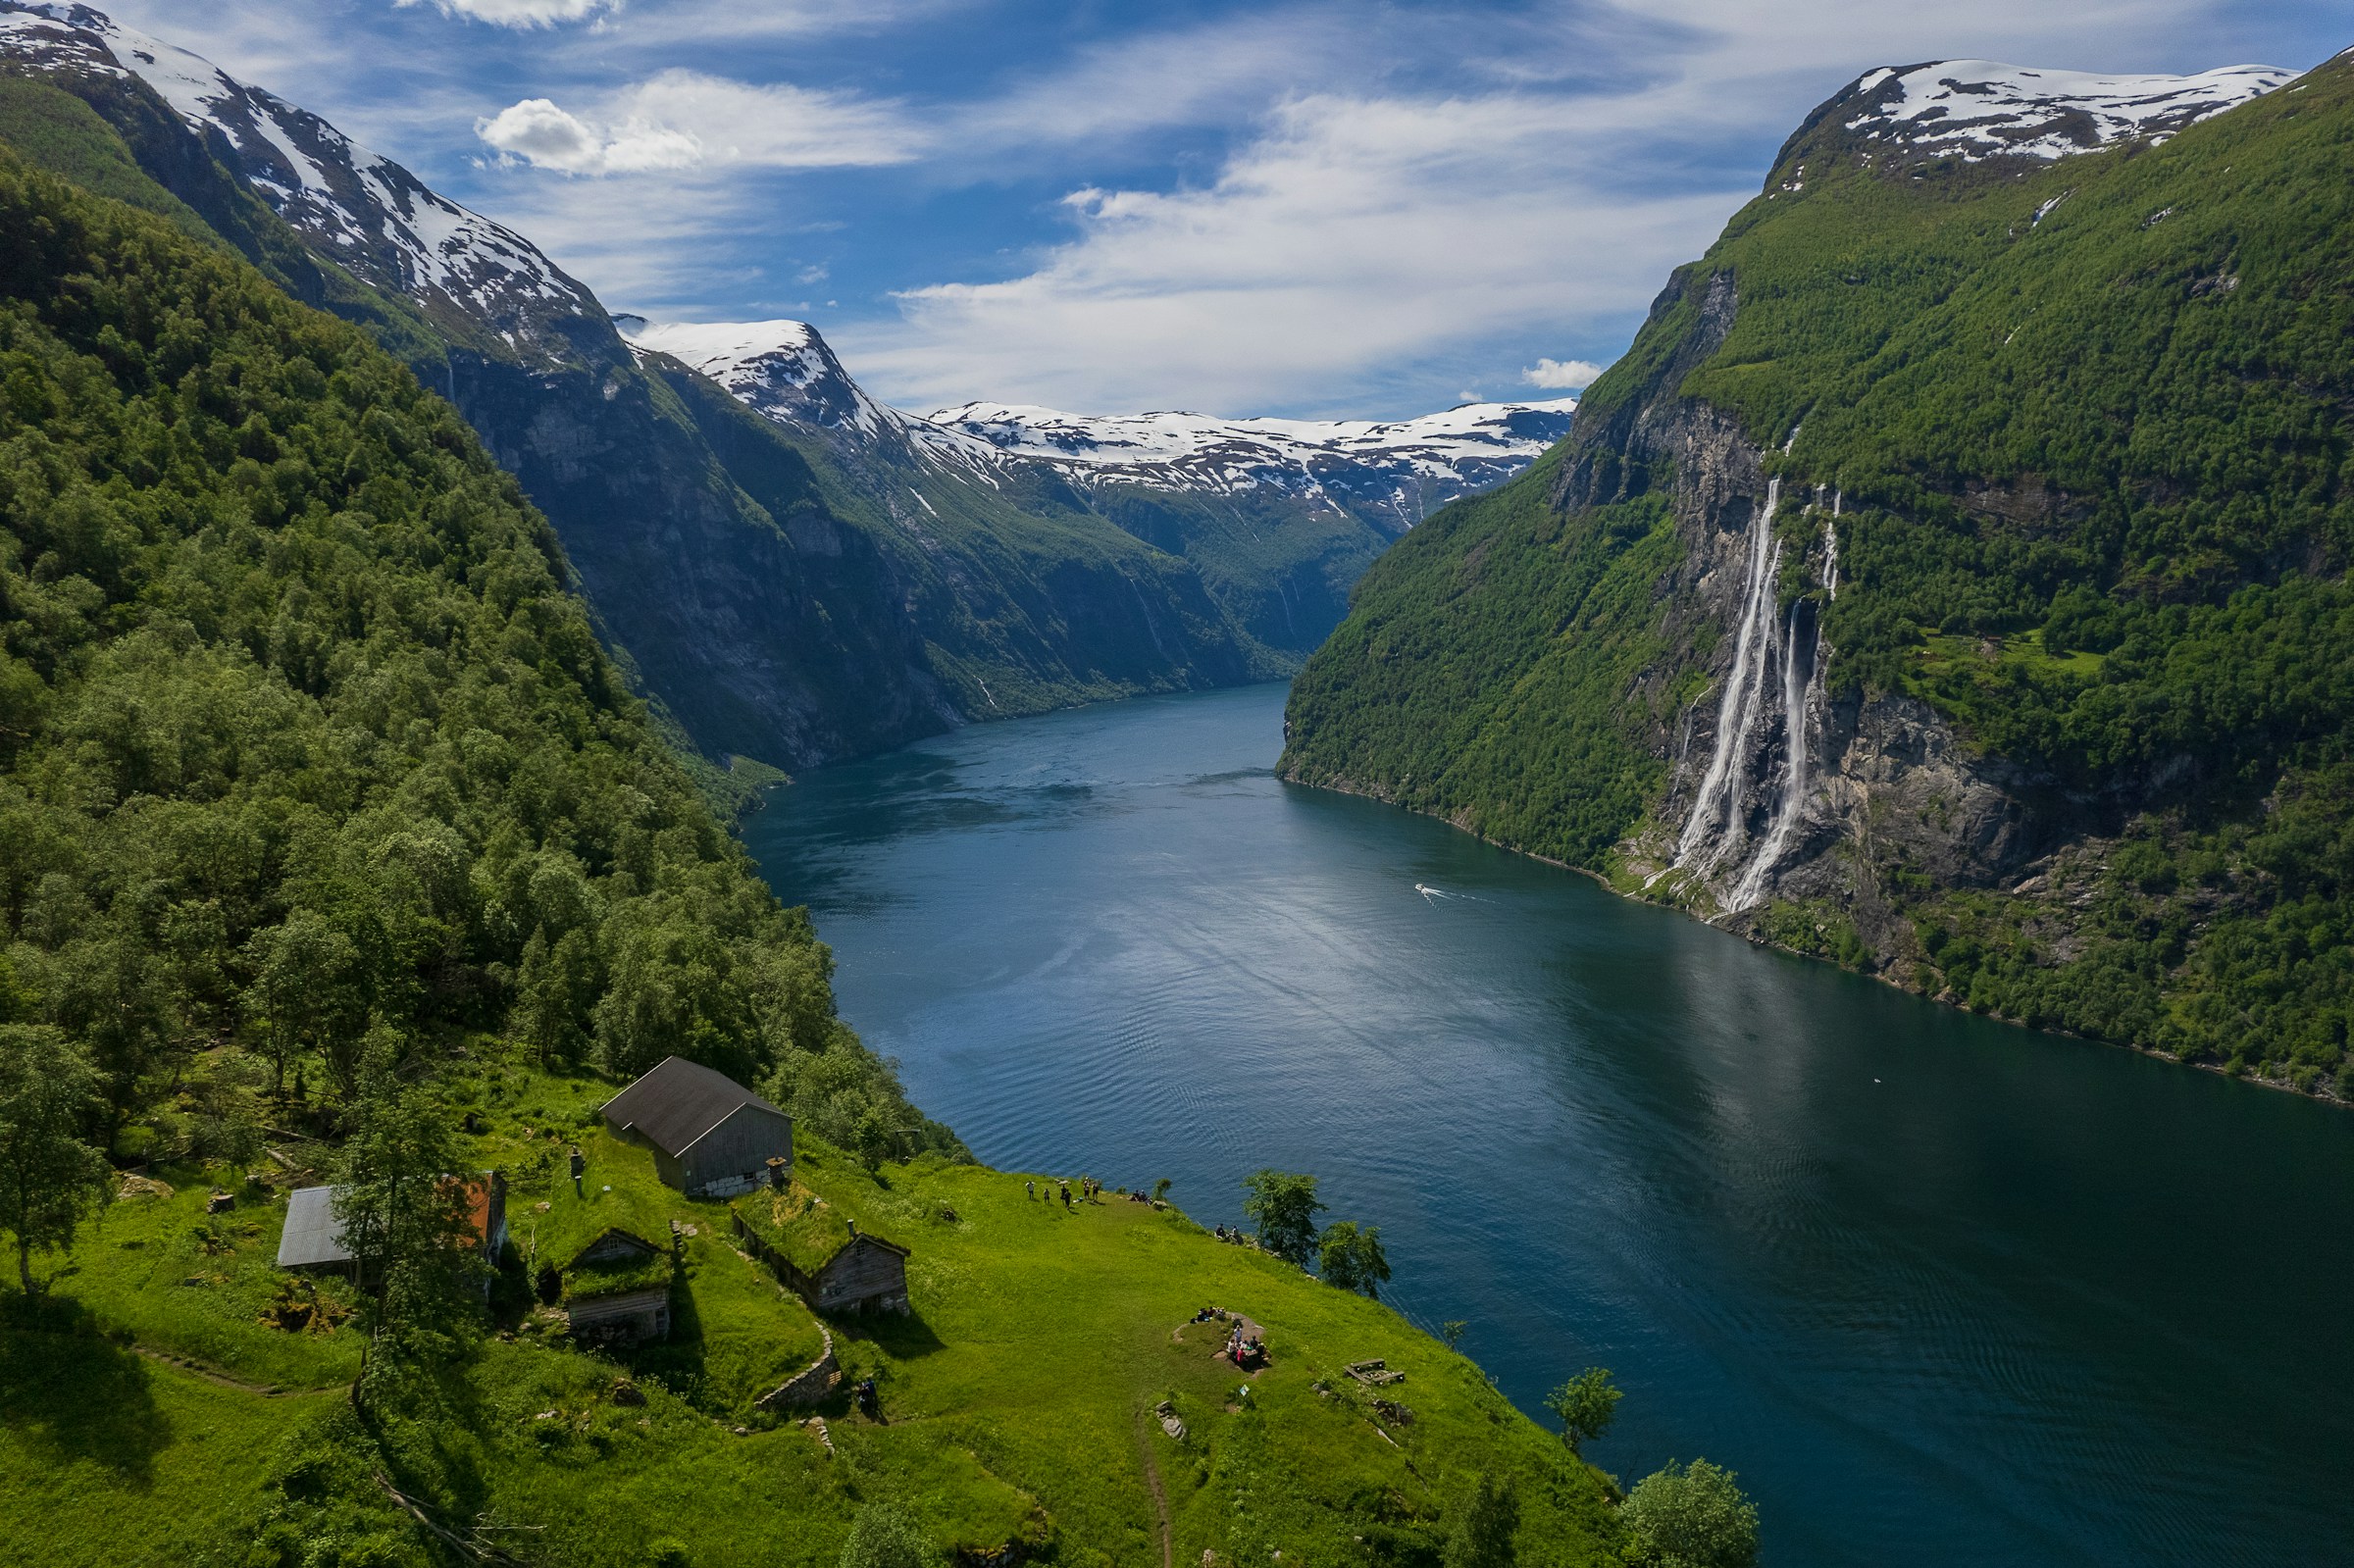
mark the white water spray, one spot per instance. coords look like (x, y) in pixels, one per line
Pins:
(1737, 710)
(1717, 827)
(1795, 684)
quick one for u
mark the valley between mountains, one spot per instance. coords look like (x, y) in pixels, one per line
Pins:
(1949, 584)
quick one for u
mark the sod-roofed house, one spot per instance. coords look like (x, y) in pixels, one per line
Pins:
(710, 1136)
(822, 1254)
(617, 1288)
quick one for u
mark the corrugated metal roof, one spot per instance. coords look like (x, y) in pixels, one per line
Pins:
(677, 1102)
(312, 1237)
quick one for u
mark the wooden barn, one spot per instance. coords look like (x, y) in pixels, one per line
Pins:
(617, 1288)
(825, 1257)
(710, 1136)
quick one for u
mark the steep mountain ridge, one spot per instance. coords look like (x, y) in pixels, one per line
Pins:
(1949, 579)
(840, 611)
(1279, 516)
(475, 279)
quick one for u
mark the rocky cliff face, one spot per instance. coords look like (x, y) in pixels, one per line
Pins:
(1774, 788)
(1949, 581)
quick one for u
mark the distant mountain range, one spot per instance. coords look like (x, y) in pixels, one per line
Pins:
(1952, 579)
(835, 575)
(1279, 516)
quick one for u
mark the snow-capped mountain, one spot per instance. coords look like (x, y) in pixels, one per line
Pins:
(367, 213)
(1400, 471)
(1977, 109)
(1405, 468)
(785, 372)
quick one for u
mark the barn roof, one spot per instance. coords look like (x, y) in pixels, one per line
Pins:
(677, 1102)
(313, 1238)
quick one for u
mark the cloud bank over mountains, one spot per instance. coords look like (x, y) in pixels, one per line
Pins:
(1308, 207)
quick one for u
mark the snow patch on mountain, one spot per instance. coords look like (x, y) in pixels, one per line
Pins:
(1401, 468)
(1397, 470)
(375, 217)
(786, 371)
(1978, 109)
(1471, 431)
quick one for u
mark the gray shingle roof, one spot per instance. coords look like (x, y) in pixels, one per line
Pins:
(312, 1237)
(677, 1102)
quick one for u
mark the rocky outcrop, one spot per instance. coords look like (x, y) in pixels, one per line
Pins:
(1774, 788)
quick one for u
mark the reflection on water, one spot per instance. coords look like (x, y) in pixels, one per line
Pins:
(1942, 1291)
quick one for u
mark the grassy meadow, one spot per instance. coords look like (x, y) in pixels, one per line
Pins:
(154, 1416)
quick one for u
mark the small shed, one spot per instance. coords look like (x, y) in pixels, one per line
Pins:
(313, 1238)
(617, 1288)
(710, 1136)
(822, 1254)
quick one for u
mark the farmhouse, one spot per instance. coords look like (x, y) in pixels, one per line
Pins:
(313, 1238)
(710, 1136)
(832, 1264)
(617, 1288)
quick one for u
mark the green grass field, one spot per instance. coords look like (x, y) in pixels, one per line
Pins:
(1017, 1401)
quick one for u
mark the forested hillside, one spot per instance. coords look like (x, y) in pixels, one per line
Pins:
(304, 739)
(1950, 580)
(332, 850)
(793, 628)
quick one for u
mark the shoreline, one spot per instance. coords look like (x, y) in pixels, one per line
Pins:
(1879, 978)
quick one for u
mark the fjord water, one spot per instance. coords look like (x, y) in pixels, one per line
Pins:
(1942, 1291)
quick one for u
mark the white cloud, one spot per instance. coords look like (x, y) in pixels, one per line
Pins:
(1378, 233)
(684, 120)
(1354, 237)
(1568, 374)
(519, 13)
(545, 136)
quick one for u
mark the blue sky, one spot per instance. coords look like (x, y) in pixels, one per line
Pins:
(1288, 207)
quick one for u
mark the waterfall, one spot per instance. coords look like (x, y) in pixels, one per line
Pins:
(1717, 826)
(1797, 679)
(1737, 709)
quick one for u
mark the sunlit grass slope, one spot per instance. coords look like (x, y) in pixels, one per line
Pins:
(1018, 1401)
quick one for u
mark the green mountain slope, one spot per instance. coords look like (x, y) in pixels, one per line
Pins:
(2055, 585)
(759, 644)
(306, 752)
(303, 738)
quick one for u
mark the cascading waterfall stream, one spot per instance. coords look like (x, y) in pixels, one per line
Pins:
(1717, 825)
(1796, 684)
(1737, 709)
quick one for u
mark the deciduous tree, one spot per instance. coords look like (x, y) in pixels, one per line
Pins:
(1586, 1405)
(1283, 1204)
(1693, 1517)
(1482, 1537)
(49, 1177)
